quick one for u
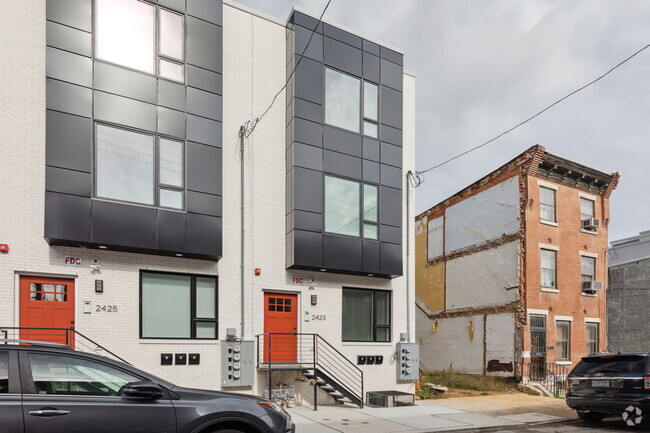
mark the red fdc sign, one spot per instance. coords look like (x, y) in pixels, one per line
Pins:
(72, 261)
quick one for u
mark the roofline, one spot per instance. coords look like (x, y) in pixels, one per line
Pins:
(354, 32)
(590, 170)
(255, 12)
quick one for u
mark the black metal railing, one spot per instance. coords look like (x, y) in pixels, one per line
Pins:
(66, 336)
(291, 351)
(550, 376)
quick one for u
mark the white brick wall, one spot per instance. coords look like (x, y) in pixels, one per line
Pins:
(254, 69)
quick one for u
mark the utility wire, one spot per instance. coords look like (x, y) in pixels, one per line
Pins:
(249, 126)
(533, 116)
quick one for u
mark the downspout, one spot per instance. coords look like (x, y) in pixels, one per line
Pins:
(242, 134)
(408, 257)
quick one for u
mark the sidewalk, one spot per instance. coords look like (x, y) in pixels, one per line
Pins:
(467, 413)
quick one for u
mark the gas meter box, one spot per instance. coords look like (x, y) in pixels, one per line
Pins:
(408, 361)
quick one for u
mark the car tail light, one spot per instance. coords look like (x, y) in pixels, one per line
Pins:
(646, 382)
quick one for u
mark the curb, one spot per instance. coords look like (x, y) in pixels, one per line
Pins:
(493, 428)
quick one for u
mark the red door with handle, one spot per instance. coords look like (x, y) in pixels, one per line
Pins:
(47, 303)
(281, 320)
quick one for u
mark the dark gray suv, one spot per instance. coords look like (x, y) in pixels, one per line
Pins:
(55, 389)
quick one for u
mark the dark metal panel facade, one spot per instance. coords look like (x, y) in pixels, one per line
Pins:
(316, 150)
(83, 91)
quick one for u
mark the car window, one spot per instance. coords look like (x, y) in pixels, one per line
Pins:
(57, 374)
(4, 373)
(619, 364)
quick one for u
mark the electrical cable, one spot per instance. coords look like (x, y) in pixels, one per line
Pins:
(535, 115)
(249, 126)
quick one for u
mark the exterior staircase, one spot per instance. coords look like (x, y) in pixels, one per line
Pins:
(340, 393)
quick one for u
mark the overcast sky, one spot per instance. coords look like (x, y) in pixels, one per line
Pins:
(484, 66)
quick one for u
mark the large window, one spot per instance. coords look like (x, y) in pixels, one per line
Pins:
(68, 375)
(128, 169)
(178, 306)
(588, 270)
(548, 268)
(547, 204)
(586, 209)
(366, 315)
(126, 34)
(563, 340)
(592, 337)
(345, 107)
(348, 208)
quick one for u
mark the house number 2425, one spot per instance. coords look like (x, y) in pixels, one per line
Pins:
(106, 308)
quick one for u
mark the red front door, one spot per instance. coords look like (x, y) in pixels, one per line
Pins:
(47, 303)
(280, 319)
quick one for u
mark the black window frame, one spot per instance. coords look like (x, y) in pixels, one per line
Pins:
(157, 184)
(157, 56)
(361, 211)
(193, 318)
(375, 326)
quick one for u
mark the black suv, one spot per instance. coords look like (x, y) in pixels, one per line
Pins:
(610, 385)
(45, 387)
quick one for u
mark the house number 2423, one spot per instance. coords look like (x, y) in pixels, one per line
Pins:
(318, 317)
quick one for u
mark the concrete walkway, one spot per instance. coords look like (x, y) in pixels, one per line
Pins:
(468, 413)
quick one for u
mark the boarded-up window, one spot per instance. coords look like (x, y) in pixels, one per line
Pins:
(434, 247)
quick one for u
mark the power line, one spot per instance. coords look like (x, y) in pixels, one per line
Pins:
(249, 126)
(535, 115)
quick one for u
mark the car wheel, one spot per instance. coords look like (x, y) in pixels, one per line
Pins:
(228, 430)
(591, 417)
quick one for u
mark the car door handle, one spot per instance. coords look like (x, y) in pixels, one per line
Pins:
(48, 412)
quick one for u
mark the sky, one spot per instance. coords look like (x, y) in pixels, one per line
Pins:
(483, 66)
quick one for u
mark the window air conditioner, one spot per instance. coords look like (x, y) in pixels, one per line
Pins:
(592, 286)
(591, 223)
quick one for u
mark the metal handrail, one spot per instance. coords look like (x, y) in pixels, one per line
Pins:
(314, 351)
(552, 377)
(4, 329)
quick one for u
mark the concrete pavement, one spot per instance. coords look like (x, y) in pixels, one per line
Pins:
(507, 411)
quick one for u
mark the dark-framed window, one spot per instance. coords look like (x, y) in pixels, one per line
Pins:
(139, 167)
(592, 337)
(547, 204)
(142, 36)
(351, 103)
(178, 306)
(351, 207)
(4, 372)
(563, 340)
(548, 269)
(366, 315)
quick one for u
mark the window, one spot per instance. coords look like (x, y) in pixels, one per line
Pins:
(126, 168)
(549, 262)
(592, 337)
(126, 34)
(588, 269)
(586, 209)
(547, 204)
(343, 211)
(342, 100)
(563, 340)
(4, 373)
(178, 306)
(366, 315)
(67, 375)
(370, 105)
(343, 103)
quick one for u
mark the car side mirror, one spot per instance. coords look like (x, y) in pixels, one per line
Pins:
(144, 390)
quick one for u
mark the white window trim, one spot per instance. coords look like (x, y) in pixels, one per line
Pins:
(587, 196)
(549, 247)
(589, 232)
(549, 223)
(549, 290)
(588, 254)
(547, 184)
(563, 318)
(535, 311)
(564, 362)
(589, 295)
(592, 320)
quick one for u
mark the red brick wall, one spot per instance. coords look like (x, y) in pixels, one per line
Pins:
(567, 235)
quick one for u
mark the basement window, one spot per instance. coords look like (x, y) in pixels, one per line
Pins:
(366, 315)
(178, 306)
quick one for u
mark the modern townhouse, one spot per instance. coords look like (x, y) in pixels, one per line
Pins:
(138, 212)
